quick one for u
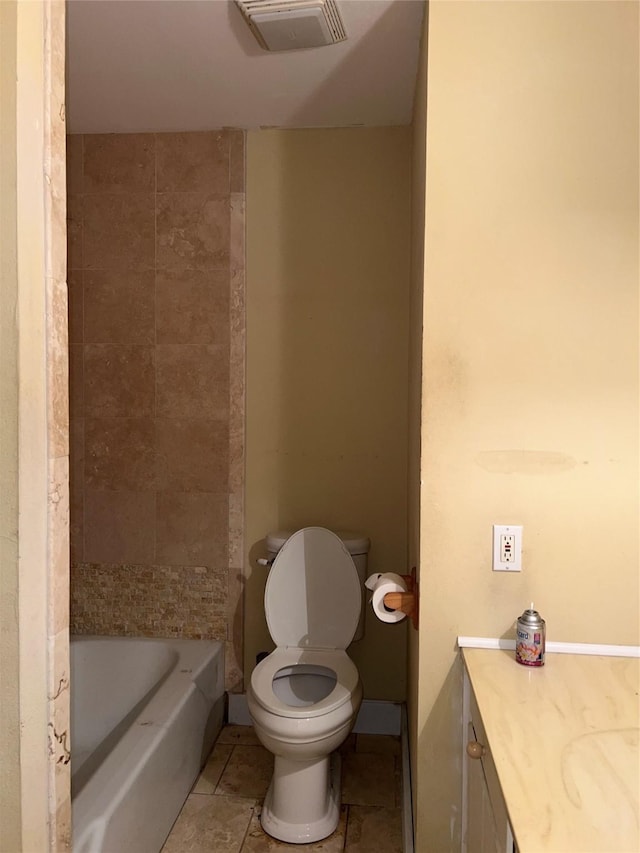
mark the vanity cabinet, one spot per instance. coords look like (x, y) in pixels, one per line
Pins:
(487, 823)
(550, 755)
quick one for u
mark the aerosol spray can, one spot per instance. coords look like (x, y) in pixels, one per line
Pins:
(530, 638)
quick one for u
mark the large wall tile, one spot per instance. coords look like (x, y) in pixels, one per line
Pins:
(76, 526)
(119, 380)
(236, 231)
(193, 162)
(192, 455)
(115, 162)
(76, 469)
(120, 454)
(74, 163)
(119, 307)
(192, 307)
(74, 231)
(192, 382)
(236, 161)
(76, 307)
(192, 231)
(119, 527)
(118, 231)
(76, 489)
(76, 380)
(191, 529)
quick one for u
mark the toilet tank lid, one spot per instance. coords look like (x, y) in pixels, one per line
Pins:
(355, 543)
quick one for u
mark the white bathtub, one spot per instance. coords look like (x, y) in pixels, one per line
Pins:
(144, 716)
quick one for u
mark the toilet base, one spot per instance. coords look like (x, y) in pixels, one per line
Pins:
(302, 804)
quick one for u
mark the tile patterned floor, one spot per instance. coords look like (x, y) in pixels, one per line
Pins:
(222, 813)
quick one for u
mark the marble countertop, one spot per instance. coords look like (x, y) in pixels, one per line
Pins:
(564, 739)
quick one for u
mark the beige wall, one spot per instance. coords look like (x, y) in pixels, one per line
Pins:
(327, 328)
(35, 777)
(530, 344)
(156, 281)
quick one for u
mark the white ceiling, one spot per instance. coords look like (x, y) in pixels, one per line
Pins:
(166, 65)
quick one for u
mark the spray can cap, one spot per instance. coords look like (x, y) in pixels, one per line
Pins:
(531, 615)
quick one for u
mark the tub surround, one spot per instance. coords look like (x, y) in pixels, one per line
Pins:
(564, 739)
(156, 330)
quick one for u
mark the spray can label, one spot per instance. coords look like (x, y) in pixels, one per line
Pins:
(530, 639)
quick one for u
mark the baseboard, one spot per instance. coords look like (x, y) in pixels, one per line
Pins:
(374, 718)
(237, 710)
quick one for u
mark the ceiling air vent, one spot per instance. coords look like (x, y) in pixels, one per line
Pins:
(293, 24)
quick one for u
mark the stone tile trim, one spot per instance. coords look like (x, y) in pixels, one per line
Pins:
(237, 366)
(184, 602)
(58, 701)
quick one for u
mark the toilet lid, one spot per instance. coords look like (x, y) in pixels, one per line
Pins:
(313, 597)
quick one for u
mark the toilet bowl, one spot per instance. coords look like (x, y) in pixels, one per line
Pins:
(304, 697)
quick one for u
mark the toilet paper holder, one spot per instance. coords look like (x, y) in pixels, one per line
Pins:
(406, 602)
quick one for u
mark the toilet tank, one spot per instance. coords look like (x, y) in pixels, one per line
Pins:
(356, 544)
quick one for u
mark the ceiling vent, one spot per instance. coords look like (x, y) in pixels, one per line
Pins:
(293, 24)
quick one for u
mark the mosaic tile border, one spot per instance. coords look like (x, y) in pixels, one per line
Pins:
(149, 601)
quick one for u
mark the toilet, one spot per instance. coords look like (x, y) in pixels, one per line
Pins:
(304, 697)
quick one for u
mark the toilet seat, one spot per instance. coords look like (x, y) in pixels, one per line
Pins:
(347, 680)
(312, 603)
(313, 597)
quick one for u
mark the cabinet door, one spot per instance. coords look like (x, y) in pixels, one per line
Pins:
(482, 836)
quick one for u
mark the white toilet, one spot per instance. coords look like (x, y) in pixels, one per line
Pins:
(304, 697)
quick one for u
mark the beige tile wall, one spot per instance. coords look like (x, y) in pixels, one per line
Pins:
(156, 285)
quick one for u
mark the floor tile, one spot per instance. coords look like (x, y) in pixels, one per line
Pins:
(238, 773)
(257, 840)
(374, 830)
(369, 779)
(349, 744)
(381, 744)
(398, 792)
(248, 772)
(212, 771)
(244, 735)
(208, 824)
